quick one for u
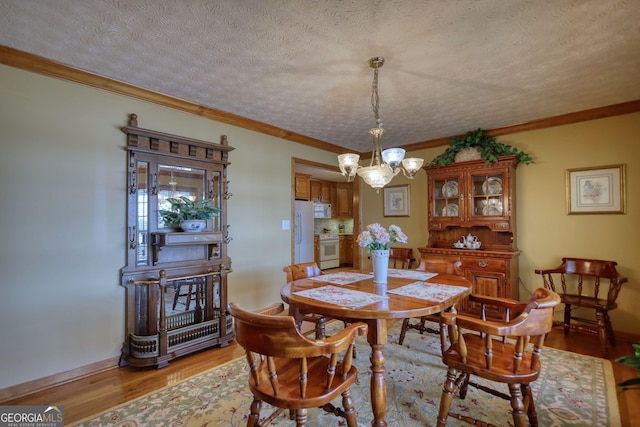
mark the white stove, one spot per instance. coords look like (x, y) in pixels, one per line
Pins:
(329, 250)
(328, 236)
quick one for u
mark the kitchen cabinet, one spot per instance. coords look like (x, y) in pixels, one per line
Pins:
(339, 195)
(316, 249)
(343, 205)
(302, 187)
(346, 249)
(315, 190)
(478, 199)
(175, 282)
(321, 191)
(327, 192)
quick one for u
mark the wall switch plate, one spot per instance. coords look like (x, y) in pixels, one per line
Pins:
(286, 224)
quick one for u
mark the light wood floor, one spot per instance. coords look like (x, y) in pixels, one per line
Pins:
(97, 393)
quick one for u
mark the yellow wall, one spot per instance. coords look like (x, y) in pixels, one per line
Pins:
(545, 231)
(414, 226)
(63, 181)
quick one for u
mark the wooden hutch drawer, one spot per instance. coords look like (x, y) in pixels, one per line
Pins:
(492, 264)
(502, 225)
(184, 238)
(435, 225)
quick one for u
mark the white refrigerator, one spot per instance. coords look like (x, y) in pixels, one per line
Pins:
(303, 232)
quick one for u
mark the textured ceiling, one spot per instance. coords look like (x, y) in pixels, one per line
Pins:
(301, 65)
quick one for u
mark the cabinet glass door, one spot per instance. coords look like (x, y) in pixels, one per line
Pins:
(446, 197)
(488, 195)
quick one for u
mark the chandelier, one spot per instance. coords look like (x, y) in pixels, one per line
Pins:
(384, 164)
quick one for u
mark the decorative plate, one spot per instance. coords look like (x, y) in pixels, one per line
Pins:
(450, 210)
(495, 210)
(450, 189)
(492, 185)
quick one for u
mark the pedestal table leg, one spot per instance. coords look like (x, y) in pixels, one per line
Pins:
(377, 337)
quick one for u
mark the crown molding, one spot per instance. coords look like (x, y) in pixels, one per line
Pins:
(37, 64)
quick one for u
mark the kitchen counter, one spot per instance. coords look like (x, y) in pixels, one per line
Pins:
(339, 234)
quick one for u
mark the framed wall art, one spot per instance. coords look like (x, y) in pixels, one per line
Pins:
(396, 200)
(596, 190)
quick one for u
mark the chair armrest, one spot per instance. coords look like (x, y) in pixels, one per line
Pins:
(470, 322)
(535, 316)
(547, 271)
(491, 327)
(499, 328)
(273, 309)
(619, 280)
(448, 318)
(498, 302)
(340, 341)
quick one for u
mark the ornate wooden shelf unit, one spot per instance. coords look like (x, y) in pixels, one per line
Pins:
(478, 199)
(176, 282)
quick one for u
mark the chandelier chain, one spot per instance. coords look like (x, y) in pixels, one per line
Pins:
(375, 100)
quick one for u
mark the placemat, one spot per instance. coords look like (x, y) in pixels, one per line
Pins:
(341, 297)
(410, 274)
(341, 277)
(435, 292)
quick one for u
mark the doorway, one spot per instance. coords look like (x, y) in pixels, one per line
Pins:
(342, 224)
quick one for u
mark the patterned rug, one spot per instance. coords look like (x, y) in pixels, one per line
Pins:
(573, 390)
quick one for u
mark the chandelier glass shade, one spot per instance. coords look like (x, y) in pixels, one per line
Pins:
(384, 164)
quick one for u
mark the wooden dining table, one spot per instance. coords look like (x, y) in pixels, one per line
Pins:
(353, 297)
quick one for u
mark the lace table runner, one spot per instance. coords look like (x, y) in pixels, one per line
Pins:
(410, 274)
(435, 292)
(341, 277)
(341, 296)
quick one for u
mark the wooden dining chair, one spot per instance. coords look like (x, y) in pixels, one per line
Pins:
(473, 346)
(401, 258)
(302, 271)
(191, 290)
(579, 283)
(292, 372)
(432, 265)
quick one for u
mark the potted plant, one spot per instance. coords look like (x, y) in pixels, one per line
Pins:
(187, 214)
(634, 362)
(486, 147)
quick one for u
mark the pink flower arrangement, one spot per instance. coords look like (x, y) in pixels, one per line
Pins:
(376, 237)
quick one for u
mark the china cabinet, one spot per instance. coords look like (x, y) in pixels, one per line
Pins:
(176, 282)
(473, 198)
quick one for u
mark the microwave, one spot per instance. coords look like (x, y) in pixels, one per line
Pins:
(322, 210)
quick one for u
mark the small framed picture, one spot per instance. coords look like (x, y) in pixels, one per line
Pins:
(396, 200)
(596, 190)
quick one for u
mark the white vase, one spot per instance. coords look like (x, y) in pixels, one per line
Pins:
(193, 225)
(380, 259)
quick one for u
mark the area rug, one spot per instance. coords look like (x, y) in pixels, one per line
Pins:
(573, 390)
